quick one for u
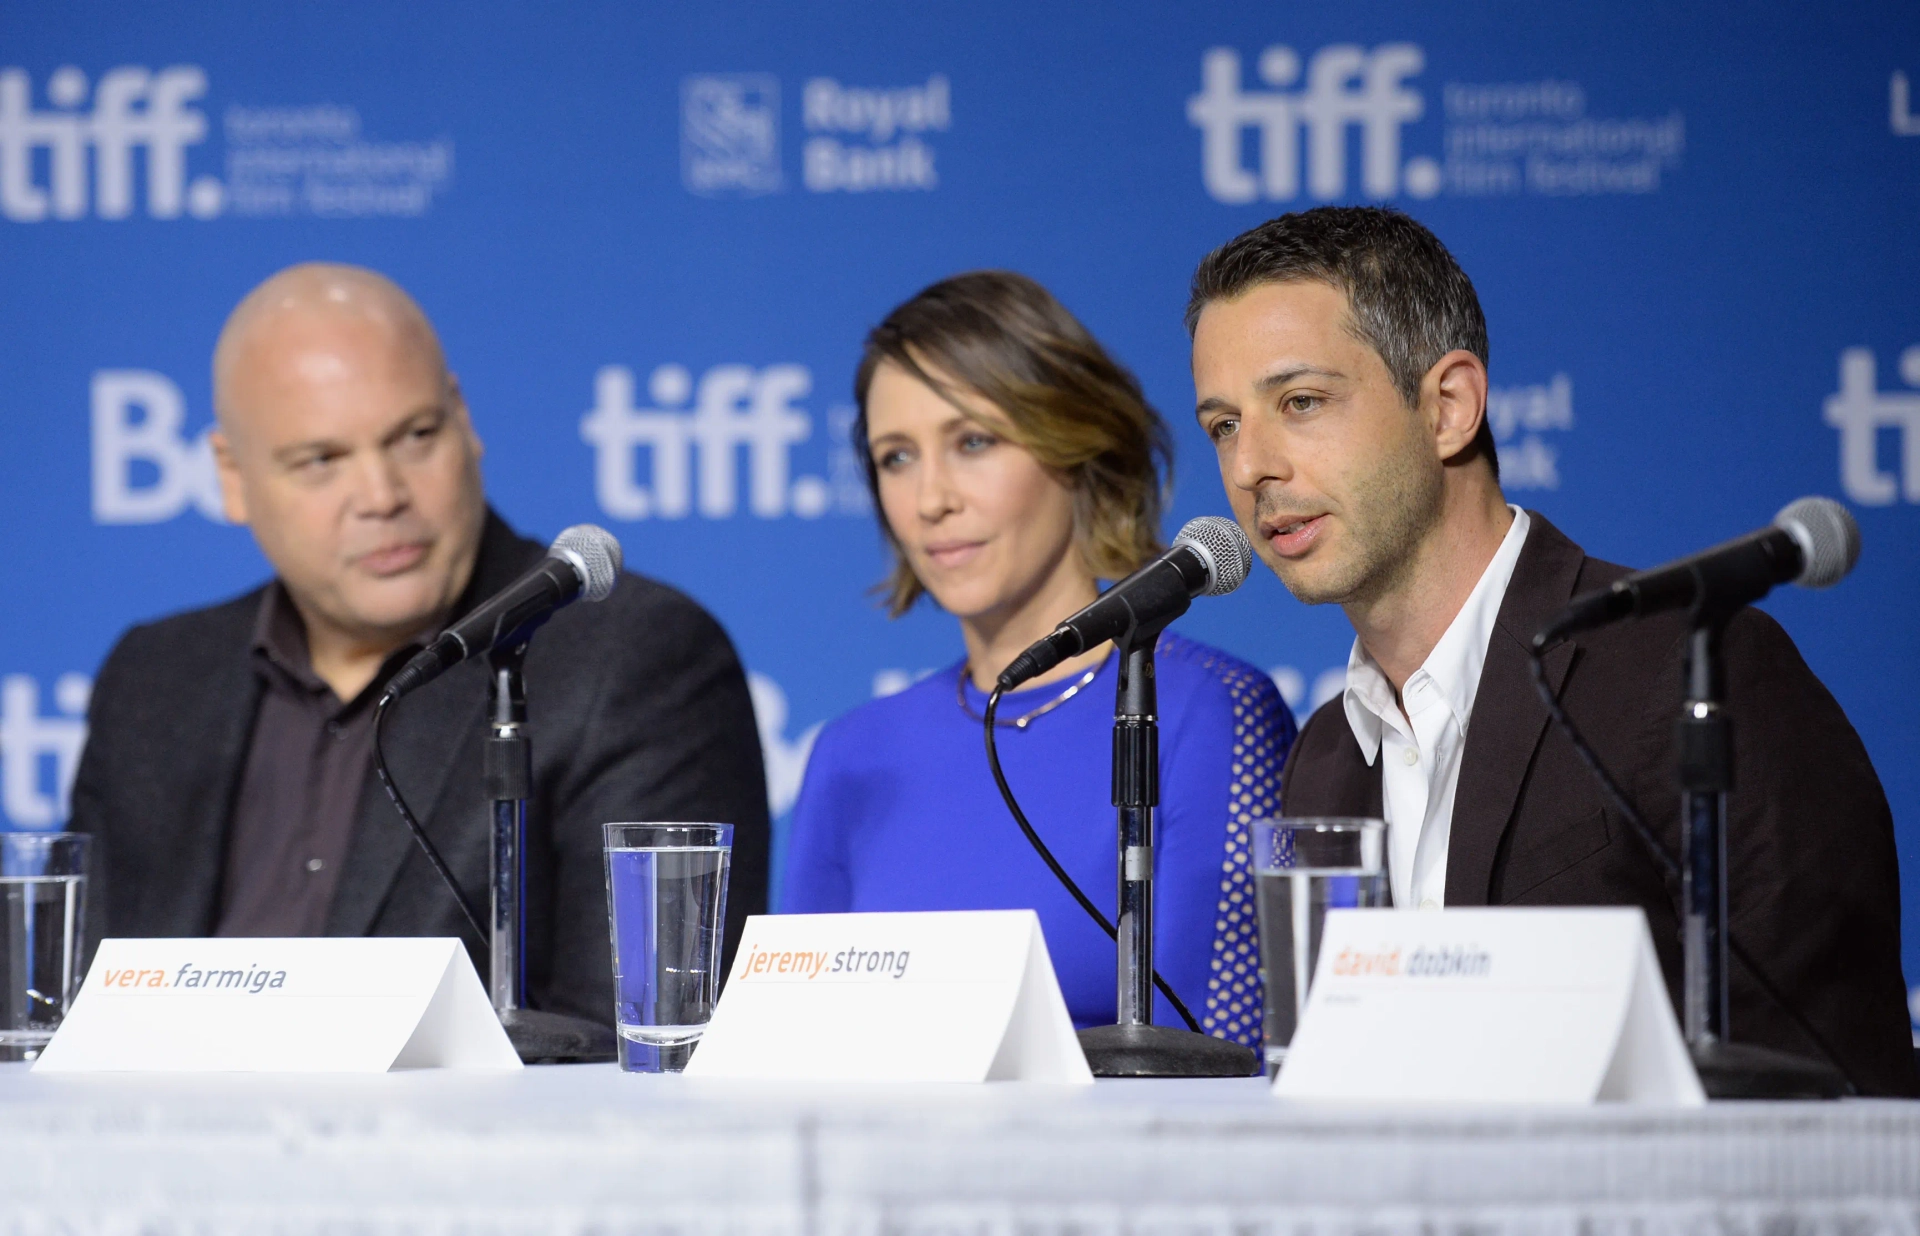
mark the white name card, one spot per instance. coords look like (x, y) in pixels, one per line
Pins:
(279, 1006)
(952, 996)
(1489, 1006)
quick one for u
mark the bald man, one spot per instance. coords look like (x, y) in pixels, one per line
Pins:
(228, 779)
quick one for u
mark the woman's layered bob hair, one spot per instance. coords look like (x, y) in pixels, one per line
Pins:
(1003, 337)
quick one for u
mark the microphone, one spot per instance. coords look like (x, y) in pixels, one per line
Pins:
(1210, 555)
(583, 561)
(1813, 542)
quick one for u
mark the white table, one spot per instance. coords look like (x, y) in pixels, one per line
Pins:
(588, 1150)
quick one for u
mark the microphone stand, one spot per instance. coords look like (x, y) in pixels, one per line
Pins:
(1134, 1046)
(507, 767)
(1727, 1070)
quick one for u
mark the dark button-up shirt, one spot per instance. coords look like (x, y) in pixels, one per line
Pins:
(307, 765)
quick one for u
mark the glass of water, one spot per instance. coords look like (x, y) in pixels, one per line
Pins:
(43, 884)
(667, 907)
(1302, 868)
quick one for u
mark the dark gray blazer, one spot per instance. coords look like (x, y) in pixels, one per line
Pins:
(1814, 882)
(638, 710)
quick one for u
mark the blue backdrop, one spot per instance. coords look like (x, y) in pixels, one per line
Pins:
(652, 241)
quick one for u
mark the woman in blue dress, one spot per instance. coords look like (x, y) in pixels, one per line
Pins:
(1014, 464)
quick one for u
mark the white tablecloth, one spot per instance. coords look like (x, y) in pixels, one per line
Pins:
(587, 1150)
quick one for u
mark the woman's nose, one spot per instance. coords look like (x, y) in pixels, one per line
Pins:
(936, 493)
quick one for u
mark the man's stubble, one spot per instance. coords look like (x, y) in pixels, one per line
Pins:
(1388, 511)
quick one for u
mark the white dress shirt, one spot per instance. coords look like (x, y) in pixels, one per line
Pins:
(1422, 745)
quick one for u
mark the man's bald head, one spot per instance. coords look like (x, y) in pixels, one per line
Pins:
(314, 297)
(345, 444)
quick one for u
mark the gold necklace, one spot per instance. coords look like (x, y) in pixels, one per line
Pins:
(1021, 722)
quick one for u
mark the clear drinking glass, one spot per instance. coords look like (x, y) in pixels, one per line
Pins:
(667, 908)
(43, 897)
(1302, 868)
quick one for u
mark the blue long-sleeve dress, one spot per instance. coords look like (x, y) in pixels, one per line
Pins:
(899, 812)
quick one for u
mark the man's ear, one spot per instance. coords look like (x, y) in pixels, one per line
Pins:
(233, 500)
(457, 400)
(1454, 397)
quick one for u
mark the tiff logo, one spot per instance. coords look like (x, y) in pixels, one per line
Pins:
(145, 468)
(1859, 411)
(134, 109)
(30, 742)
(1347, 86)
(736, 407)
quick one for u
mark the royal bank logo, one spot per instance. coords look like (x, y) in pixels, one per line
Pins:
(94, 138)
(868, 139)
(1528, 423)
(1287, 133)
(730, 134)
(681, 456)
(40, 752)
(1864, 414)
(859, 139)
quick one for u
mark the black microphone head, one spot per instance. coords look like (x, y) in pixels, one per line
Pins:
(595, 553)
(1828, 538)
(1225, 549)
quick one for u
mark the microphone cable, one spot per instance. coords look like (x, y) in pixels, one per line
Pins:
(413, 825)
(1668, 864)
(1046, 856)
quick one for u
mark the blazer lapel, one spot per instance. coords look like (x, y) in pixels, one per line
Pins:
(1326, 774)
(1508, 718)
(427, 734)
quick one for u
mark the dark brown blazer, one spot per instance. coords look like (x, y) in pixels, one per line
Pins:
(1814, 889)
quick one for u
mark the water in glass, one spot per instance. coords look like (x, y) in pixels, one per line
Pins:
(669, 905)
(1302, 869)
(39, 952)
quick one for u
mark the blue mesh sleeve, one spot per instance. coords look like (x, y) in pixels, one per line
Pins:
(1263, 731)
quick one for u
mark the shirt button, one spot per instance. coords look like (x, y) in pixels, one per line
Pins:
(1428, 903)
(1409, 757)
(315, 864)
(333, 728)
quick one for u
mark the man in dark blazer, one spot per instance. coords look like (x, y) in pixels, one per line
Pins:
(227, 777)
(1339, 357)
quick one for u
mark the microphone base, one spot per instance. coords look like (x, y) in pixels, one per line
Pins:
(1163, 1051)
(555, 1038)
(1743, 1071)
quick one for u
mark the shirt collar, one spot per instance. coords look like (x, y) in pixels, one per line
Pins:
(280, 639)
(1454, 665)
(280, 648)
